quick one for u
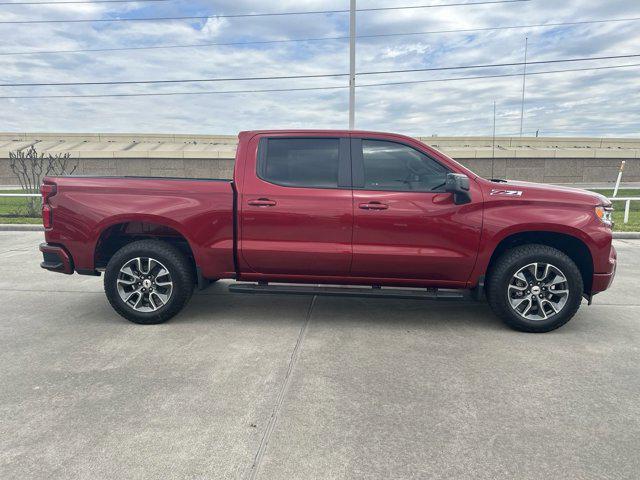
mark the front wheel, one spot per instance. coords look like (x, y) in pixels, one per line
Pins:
(148, 281)
(535, 288)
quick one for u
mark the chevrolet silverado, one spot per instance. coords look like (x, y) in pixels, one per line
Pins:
(338, 213)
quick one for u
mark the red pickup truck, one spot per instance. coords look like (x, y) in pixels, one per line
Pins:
(351, 212)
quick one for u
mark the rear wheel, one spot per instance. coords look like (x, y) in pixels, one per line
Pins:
(148, 281)
(535, 288)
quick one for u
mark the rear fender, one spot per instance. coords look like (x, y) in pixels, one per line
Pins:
(160, 221)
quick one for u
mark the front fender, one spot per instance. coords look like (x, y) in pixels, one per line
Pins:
(578, 224)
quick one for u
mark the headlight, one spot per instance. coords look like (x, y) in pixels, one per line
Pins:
(605, 214)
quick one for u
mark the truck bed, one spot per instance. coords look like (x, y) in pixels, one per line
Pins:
(87, 209)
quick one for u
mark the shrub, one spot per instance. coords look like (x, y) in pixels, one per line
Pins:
(30, 168)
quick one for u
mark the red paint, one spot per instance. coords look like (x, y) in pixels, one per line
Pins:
(201, 211)
(307, 231)
(47, 190)
(341, 235)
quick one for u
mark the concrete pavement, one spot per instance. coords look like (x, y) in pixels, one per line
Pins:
(300, 388)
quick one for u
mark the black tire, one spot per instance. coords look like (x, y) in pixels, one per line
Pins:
(509, 263)
(179, 267)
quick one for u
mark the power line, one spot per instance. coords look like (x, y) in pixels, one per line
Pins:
(245, 15)
(184, 45)
(300, 89)
(506, 27)
(319, 75)
(193, 80)
(496, 65)
(67, 2)
(165, 94)
(317, 39)
(502, 75)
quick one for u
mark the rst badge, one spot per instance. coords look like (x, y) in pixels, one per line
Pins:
(506, 193)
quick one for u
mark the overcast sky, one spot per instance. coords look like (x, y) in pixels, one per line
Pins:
(587, 103)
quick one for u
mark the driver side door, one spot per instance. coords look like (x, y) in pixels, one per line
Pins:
(405, 225)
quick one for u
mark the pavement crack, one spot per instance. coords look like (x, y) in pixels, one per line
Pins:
(252, 472)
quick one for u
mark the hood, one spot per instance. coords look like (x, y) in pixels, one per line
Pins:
(543, 191)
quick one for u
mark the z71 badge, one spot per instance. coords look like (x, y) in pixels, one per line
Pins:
(507, 193)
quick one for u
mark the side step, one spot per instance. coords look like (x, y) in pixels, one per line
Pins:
(369, 292)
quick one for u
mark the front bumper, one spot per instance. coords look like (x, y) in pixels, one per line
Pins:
(56, 259)
(602, 281)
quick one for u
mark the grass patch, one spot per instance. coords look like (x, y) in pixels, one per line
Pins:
(633, 225)
(14, 210)
(618, 215)
(629, 192)
(20, 220)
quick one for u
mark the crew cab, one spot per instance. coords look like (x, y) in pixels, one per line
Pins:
(351, 212)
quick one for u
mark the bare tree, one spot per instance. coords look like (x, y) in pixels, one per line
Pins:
(30, 168)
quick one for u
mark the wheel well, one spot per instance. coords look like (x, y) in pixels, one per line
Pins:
(117, 236)
(573, 247)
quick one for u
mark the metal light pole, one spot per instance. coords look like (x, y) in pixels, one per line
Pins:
(524, 81)
(493, 143)
(352, 66)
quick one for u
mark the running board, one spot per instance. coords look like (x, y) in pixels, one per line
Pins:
(374, 292)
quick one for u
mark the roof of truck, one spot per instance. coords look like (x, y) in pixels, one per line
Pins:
(329, 131)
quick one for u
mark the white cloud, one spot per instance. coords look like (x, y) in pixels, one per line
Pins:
(573, 103)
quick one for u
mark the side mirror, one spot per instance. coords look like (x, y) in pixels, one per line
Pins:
(458, 184)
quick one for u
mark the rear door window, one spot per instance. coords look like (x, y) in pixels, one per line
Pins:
(300, 162)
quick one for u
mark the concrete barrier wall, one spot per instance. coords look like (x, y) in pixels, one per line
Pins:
(551, 160)
(566, 170)
(555, 170)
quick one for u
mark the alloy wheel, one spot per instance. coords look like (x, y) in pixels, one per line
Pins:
(538, 291)
(144, 284)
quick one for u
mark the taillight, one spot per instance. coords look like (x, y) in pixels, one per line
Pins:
(47, 216)
(47, 190)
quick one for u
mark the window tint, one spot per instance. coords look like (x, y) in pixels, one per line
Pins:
(392, 166)
(301, 162)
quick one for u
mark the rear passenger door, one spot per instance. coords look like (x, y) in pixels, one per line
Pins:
(296, 207)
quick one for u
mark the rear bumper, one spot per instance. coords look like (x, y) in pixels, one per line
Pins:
(56, 259)
(602, 281)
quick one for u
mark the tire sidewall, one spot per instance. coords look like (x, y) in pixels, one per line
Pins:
(171, 258)
(550, 256)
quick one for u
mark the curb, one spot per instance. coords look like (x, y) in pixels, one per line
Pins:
(38, 228)
(626, 235)
(17, 227)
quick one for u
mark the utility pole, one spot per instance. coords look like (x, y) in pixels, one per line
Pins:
(352, 65)
(524, 80)
(493, 143)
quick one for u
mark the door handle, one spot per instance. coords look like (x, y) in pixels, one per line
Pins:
(262, 202)
(373, 206)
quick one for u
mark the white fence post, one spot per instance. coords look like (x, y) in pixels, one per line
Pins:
(615, 190)
(626, 210)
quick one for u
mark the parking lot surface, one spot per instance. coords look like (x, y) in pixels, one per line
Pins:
(288, 387)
